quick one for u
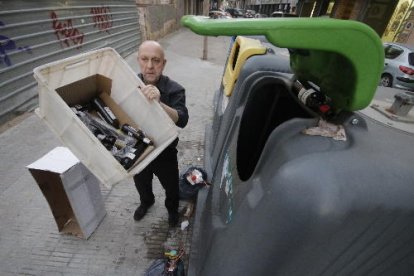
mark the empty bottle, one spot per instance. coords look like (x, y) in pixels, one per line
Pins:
(129, 155)
(105, 112)
(313, 99)
(137, 134)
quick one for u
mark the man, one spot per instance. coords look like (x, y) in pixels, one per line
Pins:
(171, 97)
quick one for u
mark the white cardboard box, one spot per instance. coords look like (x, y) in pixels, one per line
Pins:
(72, 191)
(99, 65)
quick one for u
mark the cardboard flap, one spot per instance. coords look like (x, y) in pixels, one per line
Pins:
(51, 186)
(91, 87)
(58, 160)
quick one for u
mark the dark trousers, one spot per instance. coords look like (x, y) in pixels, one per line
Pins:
(165, 167)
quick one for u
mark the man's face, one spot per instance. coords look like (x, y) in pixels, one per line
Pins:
(151, 61)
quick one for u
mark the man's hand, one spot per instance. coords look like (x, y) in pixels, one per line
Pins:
(151, 92)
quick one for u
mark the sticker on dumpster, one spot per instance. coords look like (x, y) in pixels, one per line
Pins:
(227, 182)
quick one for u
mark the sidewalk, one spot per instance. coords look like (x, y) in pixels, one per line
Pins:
(30, 243)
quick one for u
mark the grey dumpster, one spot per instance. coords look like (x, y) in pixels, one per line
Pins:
(300, 188)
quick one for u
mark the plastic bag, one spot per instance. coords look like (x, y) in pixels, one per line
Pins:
(157, 268)
(166, 267)
(191, 181)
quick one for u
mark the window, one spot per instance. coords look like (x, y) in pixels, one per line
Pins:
(392, 52)
(411, 58)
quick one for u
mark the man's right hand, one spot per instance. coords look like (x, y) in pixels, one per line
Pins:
(151, 92)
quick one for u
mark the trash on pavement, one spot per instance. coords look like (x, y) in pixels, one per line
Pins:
(172, 264)
(184, 224)
(191, 181)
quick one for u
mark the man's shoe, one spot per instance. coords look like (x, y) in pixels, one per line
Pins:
(140, 212)
(173, 218)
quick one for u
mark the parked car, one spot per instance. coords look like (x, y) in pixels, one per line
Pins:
(282, 14)
(260, 15)
(235, 12)
(250, 13)
(399, 66)
(218, 14)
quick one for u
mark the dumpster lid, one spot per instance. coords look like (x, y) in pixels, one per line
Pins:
(344, 58)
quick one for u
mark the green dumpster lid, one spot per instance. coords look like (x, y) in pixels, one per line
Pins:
(344, 58)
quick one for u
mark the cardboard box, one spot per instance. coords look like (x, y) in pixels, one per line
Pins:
(75, 80)
(94, 87)
(71, 190)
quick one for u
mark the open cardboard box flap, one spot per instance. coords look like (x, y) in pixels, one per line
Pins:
(91, 87)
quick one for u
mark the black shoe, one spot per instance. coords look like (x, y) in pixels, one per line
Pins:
(173, 218)
(140, 212)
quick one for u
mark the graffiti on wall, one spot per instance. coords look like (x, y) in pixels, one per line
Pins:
(7, 46)
(69, 35)
(102, 18)
(65, 32)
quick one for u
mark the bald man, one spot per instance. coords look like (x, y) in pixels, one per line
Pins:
(171, 96)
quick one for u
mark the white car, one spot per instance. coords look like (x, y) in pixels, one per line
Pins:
(399, 66)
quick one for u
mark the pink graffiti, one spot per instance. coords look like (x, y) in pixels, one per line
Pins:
(65, 32)
(102, 18)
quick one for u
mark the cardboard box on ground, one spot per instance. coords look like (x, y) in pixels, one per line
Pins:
(80, 78)
(71, 190)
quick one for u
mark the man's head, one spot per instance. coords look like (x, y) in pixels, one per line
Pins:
(151, 60)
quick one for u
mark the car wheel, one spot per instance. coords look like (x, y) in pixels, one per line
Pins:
(386, 80)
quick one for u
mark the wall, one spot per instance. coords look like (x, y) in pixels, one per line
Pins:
(400, 27)
(345, 9)
(375, 13)
(161, 17)
(378, 13)
(33, 33)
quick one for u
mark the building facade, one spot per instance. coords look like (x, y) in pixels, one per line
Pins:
(393, 20)
(160, 17)
(34, 33)
(400, 27)
(47, 32)
(269, 6)
(375, 13)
